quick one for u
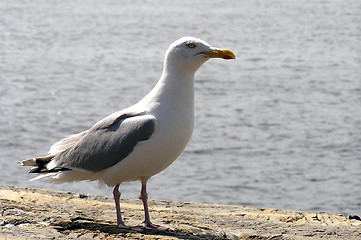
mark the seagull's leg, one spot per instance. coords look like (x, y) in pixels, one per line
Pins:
(147, 223)
(116, 195)
(120, 222)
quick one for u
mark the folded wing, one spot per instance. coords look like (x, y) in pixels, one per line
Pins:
(102, 146)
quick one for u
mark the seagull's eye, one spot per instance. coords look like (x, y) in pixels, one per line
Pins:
(191, 45)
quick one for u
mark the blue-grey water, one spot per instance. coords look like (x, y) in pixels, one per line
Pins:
(279, 127)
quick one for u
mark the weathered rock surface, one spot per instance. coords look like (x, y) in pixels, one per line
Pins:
(28, 213)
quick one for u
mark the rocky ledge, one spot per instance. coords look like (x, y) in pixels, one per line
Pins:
(28, 213)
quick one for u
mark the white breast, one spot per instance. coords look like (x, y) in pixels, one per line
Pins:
(172, 104)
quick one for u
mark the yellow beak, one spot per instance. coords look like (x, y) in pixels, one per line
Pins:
(220, 53)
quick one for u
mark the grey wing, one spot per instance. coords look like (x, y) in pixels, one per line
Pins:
(108, 142)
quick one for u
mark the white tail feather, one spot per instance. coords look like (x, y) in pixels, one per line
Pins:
(28, 162)
(47, 175)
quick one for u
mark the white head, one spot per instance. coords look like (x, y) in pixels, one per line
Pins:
(188, 54)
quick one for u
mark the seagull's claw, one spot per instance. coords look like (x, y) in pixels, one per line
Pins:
(123, 226)
(131, 228)
(146, 227)
(152, 226)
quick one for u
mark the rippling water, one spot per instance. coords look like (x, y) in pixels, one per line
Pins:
(279, 127)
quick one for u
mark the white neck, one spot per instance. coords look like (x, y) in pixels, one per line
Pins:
(174, 87)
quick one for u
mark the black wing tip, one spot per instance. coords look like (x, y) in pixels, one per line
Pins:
(45, 170)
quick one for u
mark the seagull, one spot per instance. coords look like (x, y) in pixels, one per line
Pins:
(138, 142)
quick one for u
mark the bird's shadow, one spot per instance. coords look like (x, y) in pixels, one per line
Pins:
(111, 229)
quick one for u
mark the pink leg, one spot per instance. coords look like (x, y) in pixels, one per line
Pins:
(120, 222)
(147, 223)
(116, 195)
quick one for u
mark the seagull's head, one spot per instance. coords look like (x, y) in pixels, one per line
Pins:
(189, 53)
